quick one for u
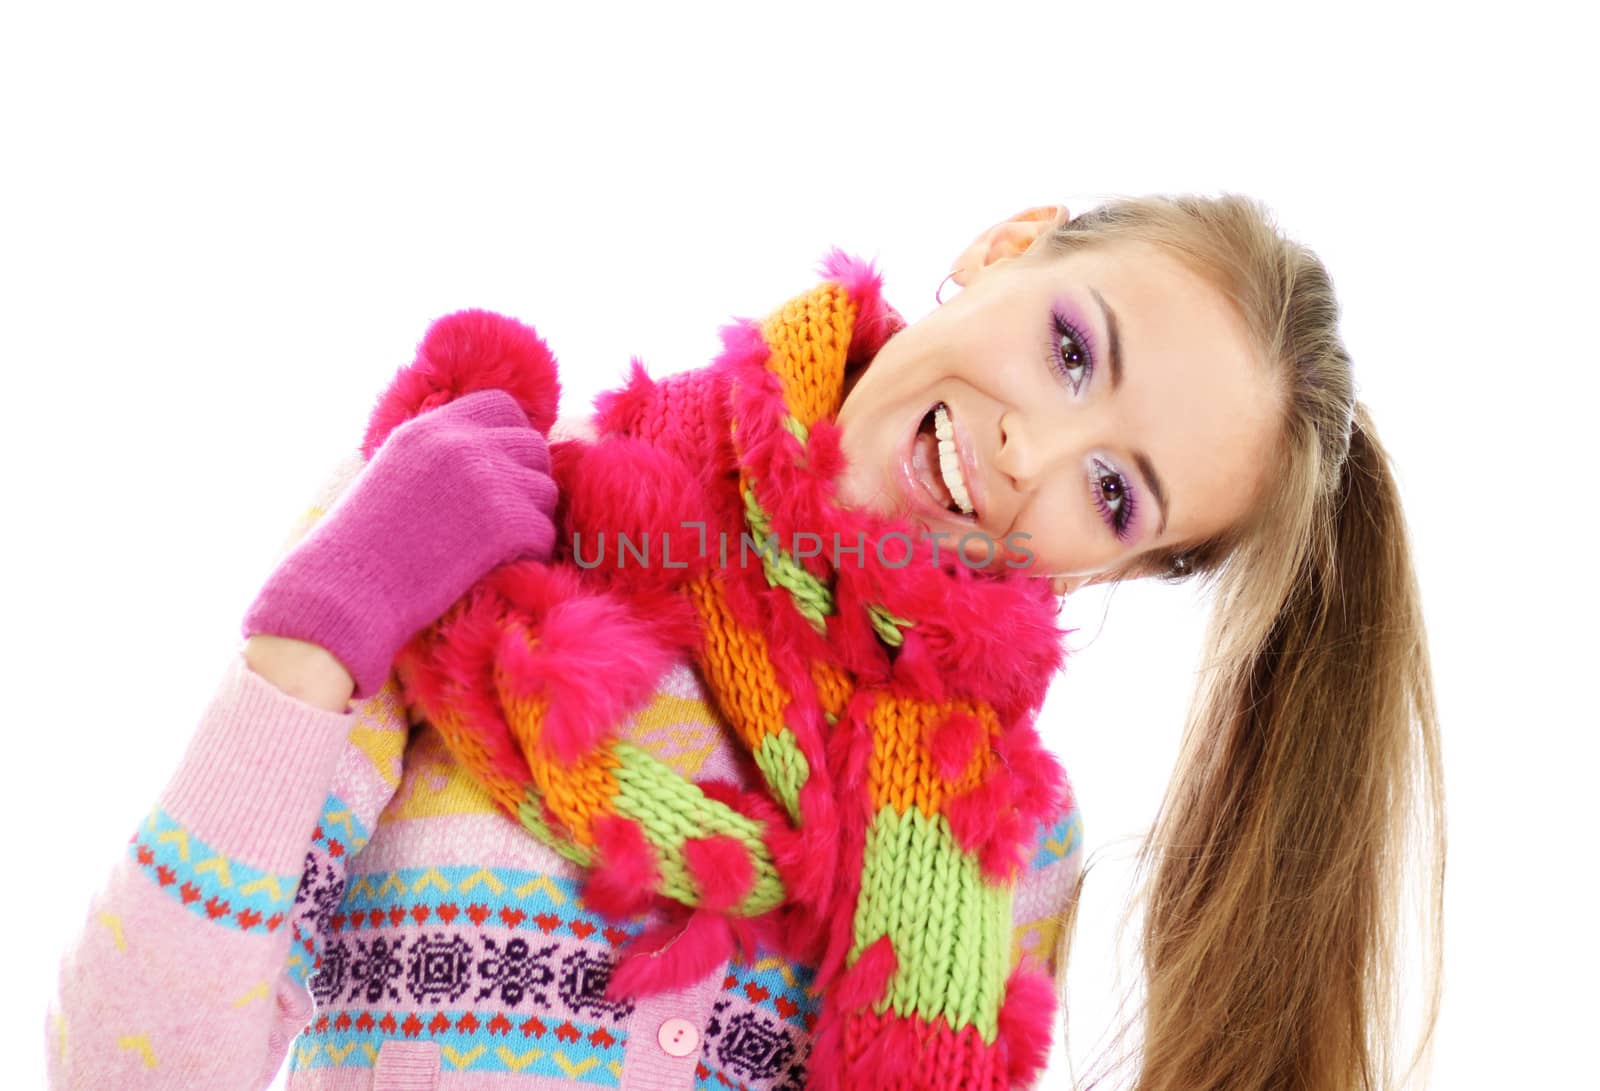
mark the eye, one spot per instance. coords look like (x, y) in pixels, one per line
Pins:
(1112, 498)
(1069, 349)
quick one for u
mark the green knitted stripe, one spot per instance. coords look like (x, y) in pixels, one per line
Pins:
(671, 809)
(812, 597)
(950, 929)
(888, 626)
(796, 427)
(530, 812)
(784, 767)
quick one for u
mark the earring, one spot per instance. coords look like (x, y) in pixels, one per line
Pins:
(940, 290)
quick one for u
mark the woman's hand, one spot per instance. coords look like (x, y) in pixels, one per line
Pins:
(449, 496)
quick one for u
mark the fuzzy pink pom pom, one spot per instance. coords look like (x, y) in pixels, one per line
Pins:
(1025, 1017)
(625, 876)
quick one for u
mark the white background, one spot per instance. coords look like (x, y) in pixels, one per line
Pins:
(223, 232)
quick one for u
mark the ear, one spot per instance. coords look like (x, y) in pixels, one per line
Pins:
(1006, 239)
(1065, 585)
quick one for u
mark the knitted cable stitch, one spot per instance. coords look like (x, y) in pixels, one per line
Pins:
(885, 692)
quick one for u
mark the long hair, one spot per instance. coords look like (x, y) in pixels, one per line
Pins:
(1308, 785)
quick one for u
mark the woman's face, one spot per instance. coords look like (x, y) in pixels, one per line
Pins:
(1101, 404)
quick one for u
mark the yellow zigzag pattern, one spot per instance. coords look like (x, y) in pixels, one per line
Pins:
(460, 1059)
(266, 882)
(541, 882)
(349, 829)
(770, 963)
(256, 993)
(574, 1070)
(517, 1061)
(219, 865)
(363, 885)
(141, 1045)
(181, 837)
(340, 1054)
(483, 875)
(431, 877)
(114, 923)
(1059, 847)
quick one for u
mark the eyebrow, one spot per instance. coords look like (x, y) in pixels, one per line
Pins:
(1114, 356)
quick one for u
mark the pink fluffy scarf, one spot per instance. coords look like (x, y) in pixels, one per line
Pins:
(888, 706)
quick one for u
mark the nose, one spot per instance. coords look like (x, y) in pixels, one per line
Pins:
(1027, 458)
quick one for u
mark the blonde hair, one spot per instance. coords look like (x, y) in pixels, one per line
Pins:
(1308, 784)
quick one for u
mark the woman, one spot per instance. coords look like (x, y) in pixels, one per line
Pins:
(1175, 361)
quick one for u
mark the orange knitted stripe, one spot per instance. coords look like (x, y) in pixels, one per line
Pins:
(809, 338)
(737, 667)
(901, 772)
(577, 794)
(464, 744)
(833, 686)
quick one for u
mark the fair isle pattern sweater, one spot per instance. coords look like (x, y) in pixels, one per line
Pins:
(360, 904)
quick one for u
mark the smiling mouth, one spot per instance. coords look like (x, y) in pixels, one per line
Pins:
(937, 463)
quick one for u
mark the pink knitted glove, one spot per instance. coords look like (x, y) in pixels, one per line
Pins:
(449, 496)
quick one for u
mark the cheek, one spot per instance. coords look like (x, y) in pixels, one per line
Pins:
(1067, 535)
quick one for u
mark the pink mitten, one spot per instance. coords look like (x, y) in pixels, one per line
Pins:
(450, 495)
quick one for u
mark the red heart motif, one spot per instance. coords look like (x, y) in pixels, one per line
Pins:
(396, 915)
(512, 917)
(547, 922)
(582, 929)
(419, 913)
(189, 893)
(447, 912)
(478, 913)
(786, 1007)
(166, 876)
(615, 936)
(755, 992)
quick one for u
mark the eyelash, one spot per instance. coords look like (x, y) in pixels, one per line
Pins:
(1063, 327)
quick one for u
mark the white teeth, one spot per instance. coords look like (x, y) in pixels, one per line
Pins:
(949, 461)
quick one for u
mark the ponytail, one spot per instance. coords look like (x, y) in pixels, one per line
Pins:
(1308, 789)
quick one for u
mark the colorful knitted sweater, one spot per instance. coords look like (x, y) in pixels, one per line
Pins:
(355, 857)
(887, 704)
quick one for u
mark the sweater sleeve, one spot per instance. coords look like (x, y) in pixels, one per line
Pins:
(189, 968)
(1045, 892)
